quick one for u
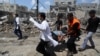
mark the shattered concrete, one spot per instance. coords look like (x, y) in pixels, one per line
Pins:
(10, 46)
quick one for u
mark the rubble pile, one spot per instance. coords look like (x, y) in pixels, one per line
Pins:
(27, 47)
(27, 29)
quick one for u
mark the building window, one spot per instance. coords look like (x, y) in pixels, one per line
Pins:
(12, 6)
(93, 7)
(56, 3)
(88, 7)
(69, 3)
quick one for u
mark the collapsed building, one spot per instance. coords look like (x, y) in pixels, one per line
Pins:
(62, 6)
(6, 16)
(7, 9)
(79, 10)
(82, 10)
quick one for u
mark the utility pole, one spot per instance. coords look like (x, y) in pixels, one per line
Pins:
(37, 7)
(14, 6)
(75, 3)
(3, 5)
(9, 6)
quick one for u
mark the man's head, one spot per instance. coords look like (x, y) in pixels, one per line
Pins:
(92, 13)
(70, 16)
(59, 16)
(15, 15)
(42, 16)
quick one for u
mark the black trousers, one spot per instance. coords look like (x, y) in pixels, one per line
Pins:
(18, 32)
(71, 44)
(42, 46)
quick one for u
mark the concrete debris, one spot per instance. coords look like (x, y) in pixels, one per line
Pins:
(10, 46)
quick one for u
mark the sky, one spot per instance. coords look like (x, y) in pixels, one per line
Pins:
(44, 5)
(87, 1)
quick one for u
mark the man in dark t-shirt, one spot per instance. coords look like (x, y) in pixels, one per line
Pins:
(58, 24)
(93, 23)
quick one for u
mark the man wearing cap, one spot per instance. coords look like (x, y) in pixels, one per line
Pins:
(93, 23)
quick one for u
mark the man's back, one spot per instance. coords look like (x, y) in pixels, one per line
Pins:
(44, 30)
(47, 30)
(93, 24)
(58, 24)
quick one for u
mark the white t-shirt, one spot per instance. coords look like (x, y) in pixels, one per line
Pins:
(17, 20)
(45, 32)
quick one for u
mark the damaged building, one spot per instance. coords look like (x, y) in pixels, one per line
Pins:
(62, 6)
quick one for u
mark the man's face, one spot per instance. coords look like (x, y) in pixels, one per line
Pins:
(13, 15)
(69, 18)
(92, 15)
(39, 17)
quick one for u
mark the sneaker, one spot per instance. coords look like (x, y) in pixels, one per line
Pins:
(70, 53)
(93, 47)
(19, 38)
(78, 39)
(80, 49)
(75, 52)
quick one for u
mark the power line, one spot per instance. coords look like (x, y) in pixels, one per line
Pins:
(43, 5)
(38, 5)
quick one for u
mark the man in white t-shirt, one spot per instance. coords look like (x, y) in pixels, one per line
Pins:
(45, 34)
(17, 30)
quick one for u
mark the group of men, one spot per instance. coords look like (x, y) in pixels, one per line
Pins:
(73, 32)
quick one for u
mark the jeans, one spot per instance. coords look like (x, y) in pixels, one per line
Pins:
(18, 32)
(58, 33)
(88, 37)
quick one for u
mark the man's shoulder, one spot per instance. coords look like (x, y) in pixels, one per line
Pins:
(98, 18)
(89, 18)
(77, 23)
(17, 17)
(44, 22)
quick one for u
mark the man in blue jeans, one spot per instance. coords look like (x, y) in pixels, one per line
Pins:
(93, 23)
(17, 30)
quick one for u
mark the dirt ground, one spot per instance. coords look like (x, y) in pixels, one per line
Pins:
(10, 46)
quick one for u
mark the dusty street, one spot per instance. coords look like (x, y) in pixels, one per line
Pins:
(10, 46)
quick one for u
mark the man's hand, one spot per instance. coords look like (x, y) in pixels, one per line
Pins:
(65, 34)
(85, 31)
(17, 27)
(31, 19)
